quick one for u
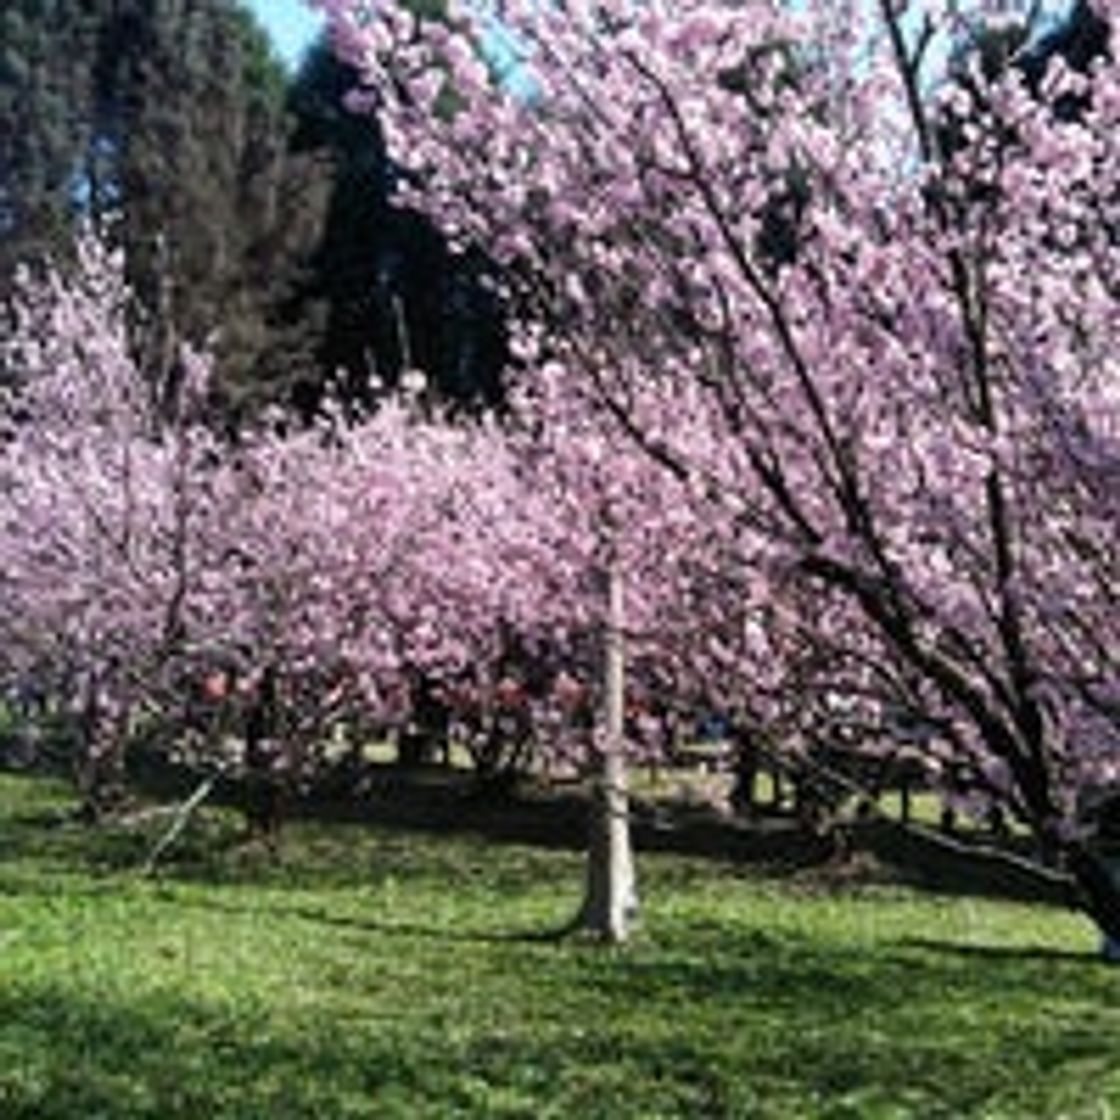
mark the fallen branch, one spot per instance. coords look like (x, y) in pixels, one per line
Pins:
(182, 816)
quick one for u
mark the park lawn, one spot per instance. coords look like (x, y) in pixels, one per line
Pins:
(377, 973)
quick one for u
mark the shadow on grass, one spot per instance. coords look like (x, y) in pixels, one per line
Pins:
(445, 803)
(71, 1056)
(763, 1029)
(439, 805)
(834, 983)
(441, 800)
(549, 935)
(997, 954)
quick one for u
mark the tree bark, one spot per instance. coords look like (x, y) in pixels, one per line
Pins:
(99, 767)
(747, 761)
(1098, 888)
(610, 906)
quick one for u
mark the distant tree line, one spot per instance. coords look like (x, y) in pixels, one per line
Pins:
(253, 209)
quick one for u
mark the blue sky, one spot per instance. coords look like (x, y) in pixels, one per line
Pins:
(291, 24)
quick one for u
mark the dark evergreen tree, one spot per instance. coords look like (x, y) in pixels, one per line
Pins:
(255, 214)
(46, 56)
(191, 152)
(388, 290)
(163, 122)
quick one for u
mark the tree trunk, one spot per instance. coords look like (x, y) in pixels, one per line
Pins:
(747, 760)
(101, 778)
(426, 738)
(99, 767)
(610, 906)
(264, 777)
(1098, 887)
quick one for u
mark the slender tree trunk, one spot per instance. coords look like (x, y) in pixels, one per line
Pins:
(264, 747)
(99, 768)
(426, 739)
(1098, 886)
(747, 760)
(610, 905)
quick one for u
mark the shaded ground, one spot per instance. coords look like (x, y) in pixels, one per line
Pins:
(447, 801)
(772, 843)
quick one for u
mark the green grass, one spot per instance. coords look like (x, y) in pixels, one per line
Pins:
(388, 974)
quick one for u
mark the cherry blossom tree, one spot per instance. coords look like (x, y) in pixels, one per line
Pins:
(102, 484)
(904, 428)
(616, 530)
(240, 597)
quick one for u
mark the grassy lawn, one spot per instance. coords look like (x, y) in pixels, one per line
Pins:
(374, 973)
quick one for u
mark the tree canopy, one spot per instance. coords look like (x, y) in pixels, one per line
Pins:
(905, 432)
